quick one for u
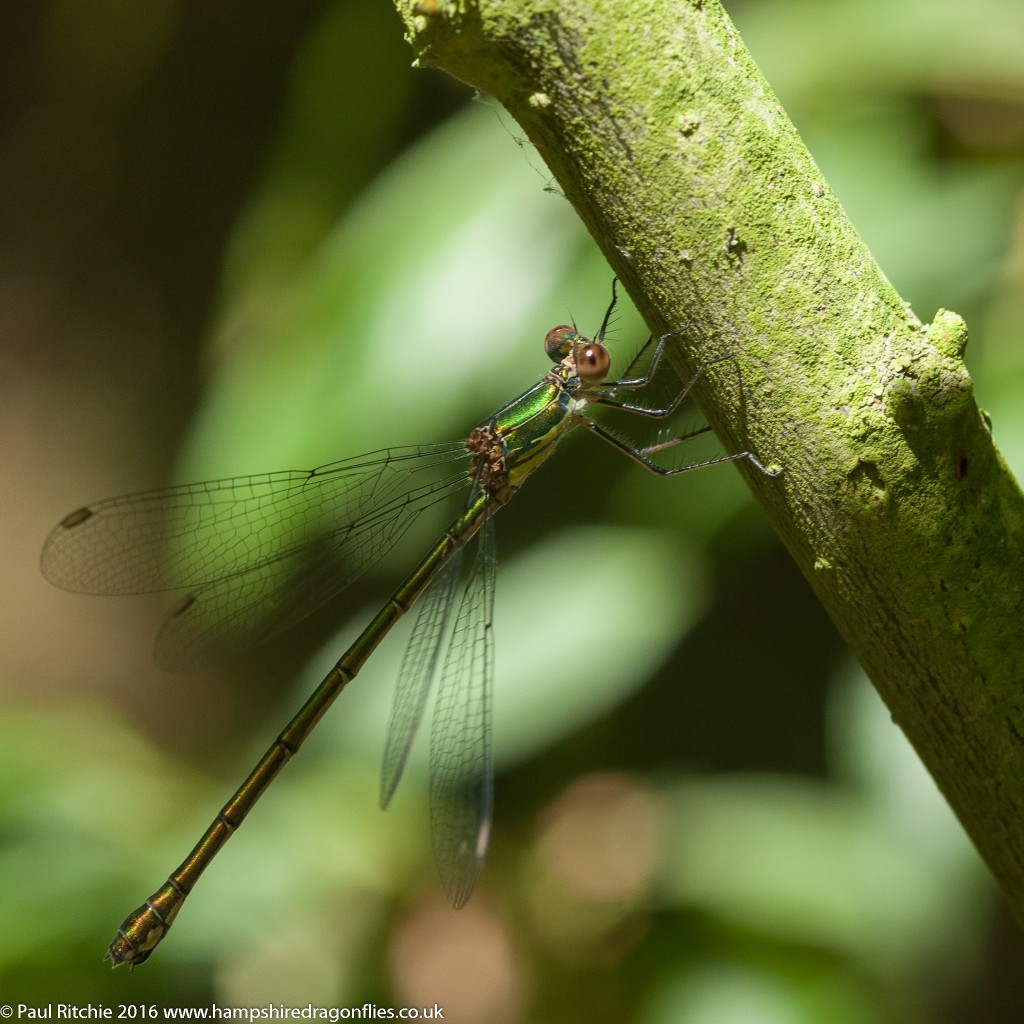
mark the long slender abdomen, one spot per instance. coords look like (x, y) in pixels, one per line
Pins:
(145, 927)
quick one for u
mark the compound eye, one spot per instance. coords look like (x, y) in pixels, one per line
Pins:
(593, 361)
(558, 341)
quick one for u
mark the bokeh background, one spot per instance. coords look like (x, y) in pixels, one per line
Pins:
(249, 236)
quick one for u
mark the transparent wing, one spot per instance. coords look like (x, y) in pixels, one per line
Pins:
(419, 666)
(259, 552)
(461, 760)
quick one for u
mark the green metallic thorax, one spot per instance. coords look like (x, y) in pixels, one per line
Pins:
(530, 426)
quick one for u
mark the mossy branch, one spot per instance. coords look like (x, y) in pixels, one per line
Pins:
(893, 499)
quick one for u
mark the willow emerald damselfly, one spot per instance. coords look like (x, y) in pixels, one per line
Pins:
(256, 554)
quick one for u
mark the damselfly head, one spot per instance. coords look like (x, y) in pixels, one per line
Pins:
(592, 361)
(559, 340)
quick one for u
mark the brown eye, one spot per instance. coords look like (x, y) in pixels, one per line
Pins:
(593, 361)
(558, 341)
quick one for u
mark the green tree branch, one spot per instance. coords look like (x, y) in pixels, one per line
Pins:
(893, 499)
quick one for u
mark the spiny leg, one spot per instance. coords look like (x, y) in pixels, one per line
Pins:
(640, 382)
(642, 455)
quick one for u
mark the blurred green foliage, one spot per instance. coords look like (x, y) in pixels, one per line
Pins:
(251, 237)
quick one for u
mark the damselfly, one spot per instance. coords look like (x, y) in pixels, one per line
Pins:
(255, 554)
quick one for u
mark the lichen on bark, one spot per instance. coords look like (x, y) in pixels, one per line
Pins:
(893, 500)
